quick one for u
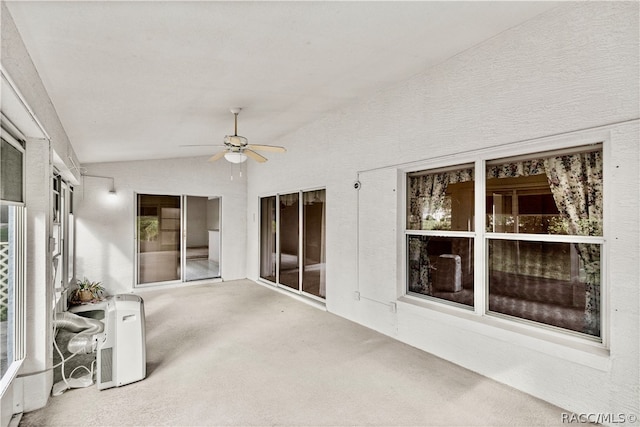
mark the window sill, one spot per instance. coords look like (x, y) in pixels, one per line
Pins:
(9, 376)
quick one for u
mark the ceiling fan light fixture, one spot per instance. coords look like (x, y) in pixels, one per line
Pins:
(235, 157)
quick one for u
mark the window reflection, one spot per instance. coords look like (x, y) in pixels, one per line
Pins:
(158, 222)
(313, 275)
(268, 238)
(289, 240)
(442, 267)
(557, 284)
(440, 200)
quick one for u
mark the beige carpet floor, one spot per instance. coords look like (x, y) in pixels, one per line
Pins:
(239, 354)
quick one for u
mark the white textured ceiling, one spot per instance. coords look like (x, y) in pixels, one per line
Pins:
(138, 79)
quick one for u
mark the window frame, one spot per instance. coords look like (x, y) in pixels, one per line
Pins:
(17, 143)
(19, 290)
(62, 229)
(439, 233)
(525, 149)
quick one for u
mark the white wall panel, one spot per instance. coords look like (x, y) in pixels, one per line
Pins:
(39, 293)
(377, 251)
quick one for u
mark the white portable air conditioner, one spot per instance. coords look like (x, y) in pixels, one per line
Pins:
(448, 275)
(121, 357)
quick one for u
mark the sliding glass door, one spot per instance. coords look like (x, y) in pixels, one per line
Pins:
(202, 238)
(178, 238)
(158, 223)
(292, 241)
(13, 256)
(313, 263)
(268, 250)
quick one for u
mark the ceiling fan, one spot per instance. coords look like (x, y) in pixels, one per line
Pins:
(237, 148)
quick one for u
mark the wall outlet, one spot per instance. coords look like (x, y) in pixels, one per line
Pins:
(356, 296)
(393, 307)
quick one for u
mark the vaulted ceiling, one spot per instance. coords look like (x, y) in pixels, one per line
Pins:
(137, 79)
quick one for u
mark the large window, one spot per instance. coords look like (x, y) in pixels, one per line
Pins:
(541, 246)
(12, 257)
(440, 238)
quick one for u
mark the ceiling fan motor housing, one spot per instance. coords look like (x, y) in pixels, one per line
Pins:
(236, 140)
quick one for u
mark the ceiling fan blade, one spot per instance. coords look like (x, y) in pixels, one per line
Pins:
(272, 148)
(218, 156)
(255, 156)
(202, 145)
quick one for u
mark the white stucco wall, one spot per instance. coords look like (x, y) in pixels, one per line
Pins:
(105, 246)
(574, 68)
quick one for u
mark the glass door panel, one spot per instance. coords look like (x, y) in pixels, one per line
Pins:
(313, 274)
(268, 238)
(57, 233)
(158, 231)
(289, 240)
(202, 238)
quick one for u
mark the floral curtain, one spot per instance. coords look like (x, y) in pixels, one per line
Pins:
(516, 169)
(419, 265)
(576, 184)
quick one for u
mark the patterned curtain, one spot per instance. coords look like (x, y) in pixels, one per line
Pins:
(576, 184)
(516, 169)
(419, 265)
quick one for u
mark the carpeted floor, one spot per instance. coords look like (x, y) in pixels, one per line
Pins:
(239, 354)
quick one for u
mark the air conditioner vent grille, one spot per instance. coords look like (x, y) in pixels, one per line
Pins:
(106, 364)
